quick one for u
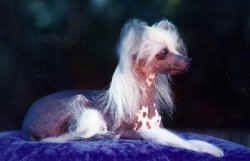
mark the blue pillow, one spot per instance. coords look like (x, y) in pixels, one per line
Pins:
(14, 147)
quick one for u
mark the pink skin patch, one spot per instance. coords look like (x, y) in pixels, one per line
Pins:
(150, 80)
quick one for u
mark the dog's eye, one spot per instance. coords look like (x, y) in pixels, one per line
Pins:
(166, 51)
(162, 54)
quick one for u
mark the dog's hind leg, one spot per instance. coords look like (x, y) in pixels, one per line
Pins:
(90, 124)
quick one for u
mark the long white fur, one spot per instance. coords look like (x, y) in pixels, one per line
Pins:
(125, 89)
(138, 40)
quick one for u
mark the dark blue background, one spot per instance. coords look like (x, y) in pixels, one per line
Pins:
(46, 46)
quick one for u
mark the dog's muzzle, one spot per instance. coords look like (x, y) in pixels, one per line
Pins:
(178, 64)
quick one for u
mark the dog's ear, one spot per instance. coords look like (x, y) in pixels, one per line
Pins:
(130, 37)
(166, 25)
(170, 27)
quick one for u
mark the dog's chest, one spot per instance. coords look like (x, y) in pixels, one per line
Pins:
(144, 120)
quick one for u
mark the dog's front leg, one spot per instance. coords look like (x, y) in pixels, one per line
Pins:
(165, 137)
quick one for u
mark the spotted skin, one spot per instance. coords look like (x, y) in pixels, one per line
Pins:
(143, 121)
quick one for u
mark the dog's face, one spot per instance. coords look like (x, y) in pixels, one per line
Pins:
(166, 62)
(152, 49)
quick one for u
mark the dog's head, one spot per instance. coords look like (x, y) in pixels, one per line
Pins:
(157, 48)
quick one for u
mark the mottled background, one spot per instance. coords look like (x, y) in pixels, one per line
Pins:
(52, 45)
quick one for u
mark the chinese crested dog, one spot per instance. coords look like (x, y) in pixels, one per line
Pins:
(130, 107)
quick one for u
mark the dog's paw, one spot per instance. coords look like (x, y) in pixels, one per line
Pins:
(206, 147)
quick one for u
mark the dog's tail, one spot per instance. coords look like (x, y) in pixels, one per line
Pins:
(165, 137)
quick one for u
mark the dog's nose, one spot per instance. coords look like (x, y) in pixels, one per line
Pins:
(182, 62)
(186, 59)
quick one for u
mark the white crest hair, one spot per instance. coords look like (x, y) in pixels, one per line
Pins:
(139, 40)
